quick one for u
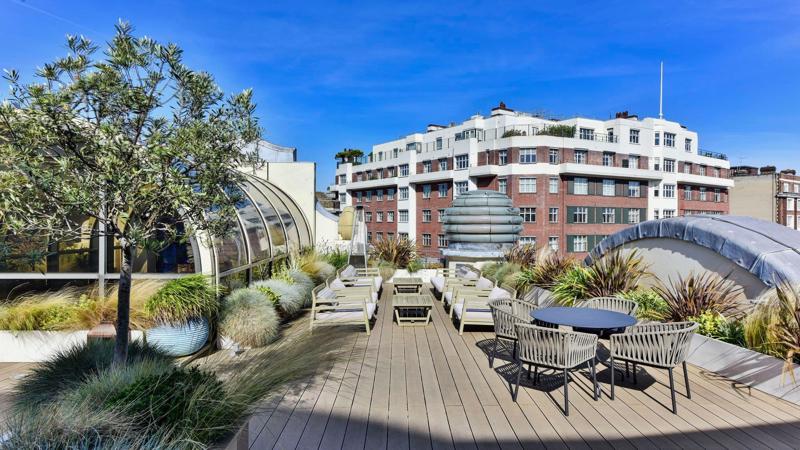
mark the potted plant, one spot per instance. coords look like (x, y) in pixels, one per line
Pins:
(181, 310)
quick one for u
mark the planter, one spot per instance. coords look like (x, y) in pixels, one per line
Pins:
(754, 369)
(425, 274)
(180, 340)
(38, 346)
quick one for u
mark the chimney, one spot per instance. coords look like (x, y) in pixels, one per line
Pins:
(767, 170)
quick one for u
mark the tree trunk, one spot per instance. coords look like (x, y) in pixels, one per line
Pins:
(123, 305)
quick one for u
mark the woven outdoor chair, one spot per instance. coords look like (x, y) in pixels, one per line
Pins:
(523, 309)
(616, 304)
(504, 321)
(658, 345)
(558, 350)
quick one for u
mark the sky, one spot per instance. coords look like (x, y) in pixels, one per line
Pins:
(330, 75)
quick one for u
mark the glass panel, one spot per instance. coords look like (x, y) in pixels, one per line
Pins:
(286, 218)
(230, 250)
(234, 281)
(176, 257)
(34, 253)
(274, 225)
(254, 227)
(299, 220)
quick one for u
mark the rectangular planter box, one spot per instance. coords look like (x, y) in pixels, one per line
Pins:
(38, 346)
(745, 366)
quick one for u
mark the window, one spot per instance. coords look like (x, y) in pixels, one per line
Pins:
(554, 156)
(553, 215)
(527, 185)
(586, 133)
(581, 156)
(443, 164)
(552, 241)
(403, 193)
(379, 195)
(657, 140)
(403, 236)
(390, 194)
(581, 215)
(359, 176)
(502, 157)
(426, 215)
(462, 162)
(427, 166)
(581, 186)
(669, 139)
(669, 191)
(610, 135)
(633, 161)
(368, 216)
(669, 213)
(553, 188)
(633, 137)
(404, 170)
(342, 197)
(527, 155)
(358, 196)
(790, 204)
(687, 144)
(656, 190)
(442, 190)
(669, 165)
(702, 170)
(438, 143)
(442, 240)
(717, 195)
(390, 216)
(687, 192)
(440, 216)
(655, 214)
(411, 146)
(369, 236)
(395, 152)
(656, 164)
(379, 216)
(797, 188)
(379, 236)
(634, 216)
(786, 187)
(687, 167)
(528, 214)
(426, 239)
(461, 187)
(402, 216)
(702, 194)
(608, 188)
(790, 220)
(608, 159)
(634, 189)
(527, 240)
(502, 185)
(390, 236)
(609, 215)
(580, 243)
(369, 196)
(426, 191)
(392, 172)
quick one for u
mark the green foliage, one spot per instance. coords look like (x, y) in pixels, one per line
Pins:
(47, 380)
(774, 326)
(386, 269)
(349, 154)
(513, 132)
(183, 299)
(291, 297)
(415, 265)
(615, 273)
(715, 325)
(30, 316)
(249, 318)
(695, 294)
(567, 131)
(502, 272)
(314, 264)
(523, 255)
(397, 251)
(271, 296)
(572, 286)
(549, 268)
(651, 305)
(336, 257)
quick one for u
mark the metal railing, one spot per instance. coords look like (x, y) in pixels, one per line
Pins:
(710, 154)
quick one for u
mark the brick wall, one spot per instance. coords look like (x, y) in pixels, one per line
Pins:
(696, 205)
(374, 206)
(434, 227)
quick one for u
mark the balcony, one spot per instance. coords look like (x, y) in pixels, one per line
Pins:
(710, 154)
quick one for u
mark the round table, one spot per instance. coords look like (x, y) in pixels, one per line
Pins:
(585, 318)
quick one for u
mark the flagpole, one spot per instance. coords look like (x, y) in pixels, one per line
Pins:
(661, 93)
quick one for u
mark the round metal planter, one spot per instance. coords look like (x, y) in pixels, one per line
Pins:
(180, 340)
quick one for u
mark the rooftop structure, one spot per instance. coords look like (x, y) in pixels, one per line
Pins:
(766, 194)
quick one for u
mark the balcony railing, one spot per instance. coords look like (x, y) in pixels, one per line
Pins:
(710, 154)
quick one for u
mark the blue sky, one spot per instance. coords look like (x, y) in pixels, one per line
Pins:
(332, 75)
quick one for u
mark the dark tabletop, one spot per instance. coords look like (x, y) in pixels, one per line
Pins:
(598, 319)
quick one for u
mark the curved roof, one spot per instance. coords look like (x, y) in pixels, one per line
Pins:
(768, 250)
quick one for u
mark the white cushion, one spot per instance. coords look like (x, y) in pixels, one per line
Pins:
(347, 315)
(349, 271)
(484, 283)
(337, 284)
(326, 292)
(474, 314)
(374, 296)
(499, 292)
(438, 283)
(448, 297)
(378, 282)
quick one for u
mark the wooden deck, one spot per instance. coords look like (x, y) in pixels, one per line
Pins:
(429, 388)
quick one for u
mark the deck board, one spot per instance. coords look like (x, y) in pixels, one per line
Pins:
(429, 387)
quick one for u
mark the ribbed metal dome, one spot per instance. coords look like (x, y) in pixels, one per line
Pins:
(482, 217)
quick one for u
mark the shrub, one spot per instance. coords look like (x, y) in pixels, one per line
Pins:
(303, 281)
(715, 325)
(47, 380)
(249, 318)
(559, 131)
(183, 299)
(651, 305)
(290, 296)
(513, 132)
(774, 326)
(31, 315)
(523, 255)
(695, 294)
(415, 265)
(386, 269)
(550, 266)
(571, 286)
(502, 272)
(312, 263)
(615, 273)
(336, 257)
(397, 251)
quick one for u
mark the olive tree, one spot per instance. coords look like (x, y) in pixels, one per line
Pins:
(130, 137)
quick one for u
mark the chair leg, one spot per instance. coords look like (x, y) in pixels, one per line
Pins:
(519, 373)
(634, 374)
(529, 371)
(686, 380)
(612, 377)
(593, 368)
(672, 392)
(566, 392)
(514, 351)
(493, 353)
(627, 370)
(535, 374)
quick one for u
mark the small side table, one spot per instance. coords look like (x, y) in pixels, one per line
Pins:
(407, 285)
(412, 309)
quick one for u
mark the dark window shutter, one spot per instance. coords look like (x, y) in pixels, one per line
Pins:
(570, 214)
(570, 186)
(570, 244)
(620, 217)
